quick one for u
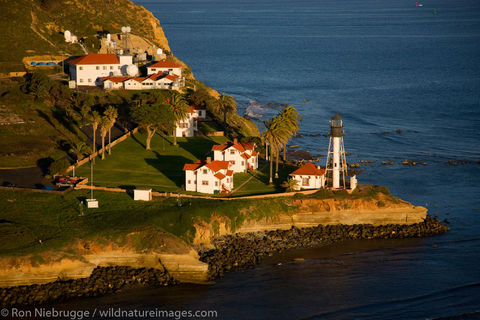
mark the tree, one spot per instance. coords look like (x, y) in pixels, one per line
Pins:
(179, 109)
(105, 125)
(226, 104)
(274, 136)
(151, 117)
(112, 114)
(290, 118)
(93, 118)
(290, 184)
(78, 149)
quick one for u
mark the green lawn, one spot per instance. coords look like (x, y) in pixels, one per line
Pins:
(130, 166)
(159, 168)
(259, 183)
(27, 217)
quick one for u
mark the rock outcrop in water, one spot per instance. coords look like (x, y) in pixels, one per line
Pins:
(240, 251)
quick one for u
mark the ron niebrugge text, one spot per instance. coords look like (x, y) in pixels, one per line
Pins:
(51, 313)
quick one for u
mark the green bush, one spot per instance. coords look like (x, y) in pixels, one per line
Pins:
(59, 166)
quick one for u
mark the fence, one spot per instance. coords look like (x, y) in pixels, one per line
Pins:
(110, 145)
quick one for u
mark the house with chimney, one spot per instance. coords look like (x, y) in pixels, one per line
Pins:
(213, 177)
(309, 176)
(189, 125)
(241, 155)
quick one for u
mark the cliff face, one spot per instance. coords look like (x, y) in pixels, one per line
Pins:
(382, 210)
(35, 27)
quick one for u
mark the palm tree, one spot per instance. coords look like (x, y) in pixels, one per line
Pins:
(290, 118)
(274, 136)
(226, 104)
(112, 114)
(104, 128)
(78, 149)
(290, 184)
(179, 108)
(94, 118)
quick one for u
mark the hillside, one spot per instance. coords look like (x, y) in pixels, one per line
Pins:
(35, 27)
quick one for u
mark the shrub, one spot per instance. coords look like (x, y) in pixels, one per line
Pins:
(59, 166)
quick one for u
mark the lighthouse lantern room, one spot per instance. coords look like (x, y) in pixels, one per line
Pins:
(336, 167)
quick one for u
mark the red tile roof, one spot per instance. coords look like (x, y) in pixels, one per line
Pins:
(229, 172)
(214, 165)
(240, 146)
(219, 176)
(246, 156)
(96, 58)
(171, 77)
(254, 153)
(192, 166)
(309, 169)
(217, 165)
(164, 64)
(115, 79)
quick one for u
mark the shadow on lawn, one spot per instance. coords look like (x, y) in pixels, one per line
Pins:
(170, 166)
(199, 147)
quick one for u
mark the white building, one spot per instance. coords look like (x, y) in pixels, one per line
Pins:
(142, 195)
(165, 67)
(90, 69)
(309, 176)
(154, 81)
(209, 177)
(241, 155)
(187, 126)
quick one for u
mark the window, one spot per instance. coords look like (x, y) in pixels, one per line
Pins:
(305, 182)
(97, 67)
(205, 171)
(216, 183)
(189, 181)
(232, 162)
(81, 80)
(89, 80)
(205, 182)
(228, 180)
(232, 151)
(111, 67)
(118, 67)
(154, 70)
(104, 67)
(80, 68)
(243, 163)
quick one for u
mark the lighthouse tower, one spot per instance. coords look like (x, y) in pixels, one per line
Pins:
(336, 166)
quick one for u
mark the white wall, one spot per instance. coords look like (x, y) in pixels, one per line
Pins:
(191, 177)
(208, 177)
(314, 182)
(177, 71)
(132, 85)
(88, 75)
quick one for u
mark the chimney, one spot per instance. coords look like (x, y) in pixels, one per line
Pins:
(209, 159)
(235, 141)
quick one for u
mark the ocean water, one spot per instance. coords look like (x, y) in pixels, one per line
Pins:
(383, 66)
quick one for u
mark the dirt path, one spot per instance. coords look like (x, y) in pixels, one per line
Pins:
(34, 29)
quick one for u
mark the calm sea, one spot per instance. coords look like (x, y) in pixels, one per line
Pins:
(383, 66)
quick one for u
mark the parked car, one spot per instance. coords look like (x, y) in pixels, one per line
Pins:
(66, 182)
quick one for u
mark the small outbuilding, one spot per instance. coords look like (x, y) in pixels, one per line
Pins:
(309, 176)
(142, 195)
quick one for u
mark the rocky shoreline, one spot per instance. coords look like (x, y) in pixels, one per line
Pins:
(230, 253)
(241, 251)
(103, 280)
